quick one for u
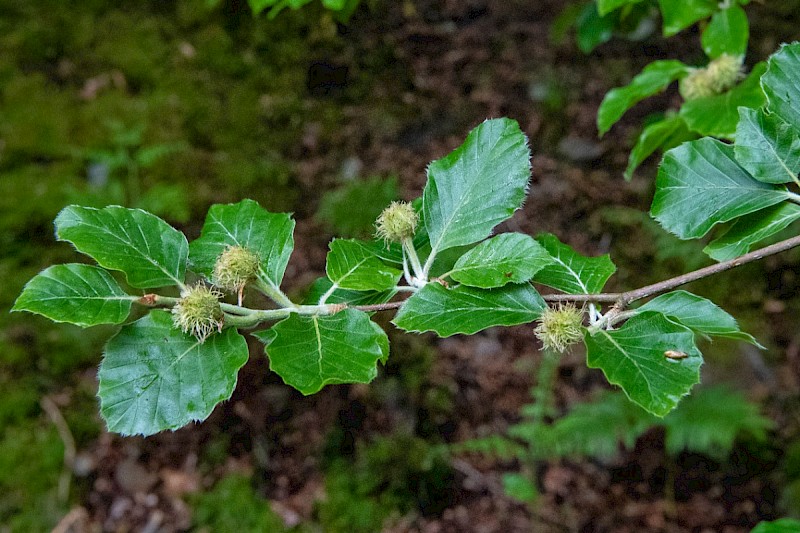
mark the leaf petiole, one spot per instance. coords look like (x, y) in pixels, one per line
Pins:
(274, 293)
(420, 274)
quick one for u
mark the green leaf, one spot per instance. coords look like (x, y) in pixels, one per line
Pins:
(468, 310)
(780, 84)
(154, 377)
(664, 134)
(563, 23)
(382, 340)
(698, 314)
(351, 266)
(783, 525)
(718, 115)
(767, 147)
(700, 184)
(605, 7)
(149, 251)
(492, 445)
(520, 487)
(477, 186)
(654, 78)
(727, 33)
(79, 294)
(505, 258)
(633, 357)
(246, 224)
(572, 272)
(391, 252)
(684, 13)
(309, 352)
(342, 296)
(750, 229)
(593, 29)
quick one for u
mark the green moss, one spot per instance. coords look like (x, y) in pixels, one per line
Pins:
(348, 508)
(31, 459)
(238, 174)
(35, 119)
(50, 30)
(133, 44)
(81, 415)
(351, 209)
(30, 198)
(233, 505)
(18, 400)
(389, 477)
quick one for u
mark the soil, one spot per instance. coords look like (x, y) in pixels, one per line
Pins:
(412, 78)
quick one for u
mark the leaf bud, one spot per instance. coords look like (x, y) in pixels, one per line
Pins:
(198, 312)
(397, 222)
(560, 327)
(235, 267)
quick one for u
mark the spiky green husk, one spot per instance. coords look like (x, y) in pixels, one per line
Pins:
(235, 267)
(560, 327)
(198, 312)
(397, 222)
(720, 75)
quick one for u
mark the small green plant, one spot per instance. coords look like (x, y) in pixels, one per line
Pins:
(115, 173)
(342, 9)
(708, 422)
(724, 24)
(437, 255)
(712, 93)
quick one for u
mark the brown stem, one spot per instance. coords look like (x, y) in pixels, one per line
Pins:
(378, 307)
(622, 299)
(662, 286)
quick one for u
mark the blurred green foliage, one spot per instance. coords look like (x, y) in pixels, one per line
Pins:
(707, 422)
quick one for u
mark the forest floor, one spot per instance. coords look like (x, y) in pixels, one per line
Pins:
(397, 87)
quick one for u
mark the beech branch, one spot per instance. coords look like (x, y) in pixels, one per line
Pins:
(623, 299)
(620, 300)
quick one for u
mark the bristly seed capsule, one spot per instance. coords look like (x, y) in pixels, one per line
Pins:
(720, 75)
(198, 312)
(235, 267)
(397, 222)
(560, 327)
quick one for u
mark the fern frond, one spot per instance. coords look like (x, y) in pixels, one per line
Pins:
(709, 420)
